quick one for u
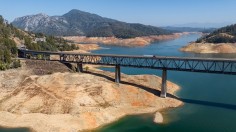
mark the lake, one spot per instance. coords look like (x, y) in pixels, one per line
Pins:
(209, 99)
(14, 129)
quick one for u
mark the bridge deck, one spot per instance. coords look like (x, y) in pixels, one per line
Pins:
(128, 56)
(207, 65)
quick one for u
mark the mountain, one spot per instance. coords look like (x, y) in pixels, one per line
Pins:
(77, 22)
(12, 38)
(42, 23)
(223, 35)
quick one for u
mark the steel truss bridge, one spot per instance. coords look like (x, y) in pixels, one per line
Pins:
(203, 65)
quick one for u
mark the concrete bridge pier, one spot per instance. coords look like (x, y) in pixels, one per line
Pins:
(163, 85)
(24, 54)
(79, 67)
(117, 74)
(48, 56)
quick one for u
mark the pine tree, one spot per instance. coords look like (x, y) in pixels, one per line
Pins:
(1, 20)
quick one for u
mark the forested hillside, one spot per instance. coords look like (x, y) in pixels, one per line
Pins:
(223, 35)
(9, 47)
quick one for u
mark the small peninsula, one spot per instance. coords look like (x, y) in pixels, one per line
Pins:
(50, 94)
(222, 40)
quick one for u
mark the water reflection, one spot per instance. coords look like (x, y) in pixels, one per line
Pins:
(14, 129)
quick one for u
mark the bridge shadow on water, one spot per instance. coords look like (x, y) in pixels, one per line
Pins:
(157, 93)
(208, 103)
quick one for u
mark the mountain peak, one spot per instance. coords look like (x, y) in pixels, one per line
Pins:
(75, 10)
(79, 13)
(42, 14)
(77, 22)
(39, 15)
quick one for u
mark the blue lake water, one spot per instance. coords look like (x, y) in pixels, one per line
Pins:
(210, 99)
(14, 130)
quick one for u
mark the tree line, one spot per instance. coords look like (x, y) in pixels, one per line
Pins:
(223, 35)
(9, 50)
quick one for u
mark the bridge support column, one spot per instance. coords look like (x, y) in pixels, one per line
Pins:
(24, 55)
(79, 67)
(48, 56)
(117, 74)
(163, 85)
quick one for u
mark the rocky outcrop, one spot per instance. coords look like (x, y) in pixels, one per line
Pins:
(78, 101)
(158, 118)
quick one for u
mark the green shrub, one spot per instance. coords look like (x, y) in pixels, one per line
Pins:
(3, 67)
(16, 64)
(39, 57)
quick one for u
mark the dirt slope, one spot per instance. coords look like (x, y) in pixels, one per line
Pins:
(73, 102)
(210, 48)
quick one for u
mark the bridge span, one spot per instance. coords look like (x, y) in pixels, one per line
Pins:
(203, 65)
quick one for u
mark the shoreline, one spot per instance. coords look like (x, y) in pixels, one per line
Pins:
(152, 113)
(131, 106)
(130, 42)
(25, 128)
(209, 48)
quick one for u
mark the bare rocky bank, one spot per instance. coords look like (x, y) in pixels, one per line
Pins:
(66, 101)
(210, 48)
(131, 42)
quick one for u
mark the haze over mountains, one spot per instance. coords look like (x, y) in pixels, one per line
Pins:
(77, 22)
(203, 25)
(189, 29)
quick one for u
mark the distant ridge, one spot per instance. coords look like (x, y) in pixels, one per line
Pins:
(203, 25)
(77, 22)
(189, 29)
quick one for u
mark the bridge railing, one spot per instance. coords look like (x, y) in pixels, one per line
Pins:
(169, 63)
(207, 65)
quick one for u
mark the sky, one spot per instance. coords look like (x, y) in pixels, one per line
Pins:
(149, 12)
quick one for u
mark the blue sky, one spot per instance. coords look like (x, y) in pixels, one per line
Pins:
(150, 12)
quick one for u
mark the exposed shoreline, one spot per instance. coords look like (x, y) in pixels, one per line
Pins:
(132, 42)
(78, 117)
(204, 48)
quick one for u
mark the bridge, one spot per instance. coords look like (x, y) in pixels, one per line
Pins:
(203, 65)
